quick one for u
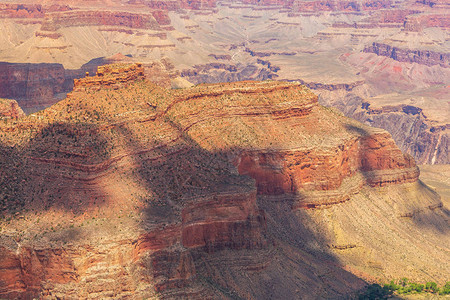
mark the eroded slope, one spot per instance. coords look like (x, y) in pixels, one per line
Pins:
(249, 189)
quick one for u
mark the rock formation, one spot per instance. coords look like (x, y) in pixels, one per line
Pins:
(111, 76)
(10, 109)
(422, 21)
(391, 47)
(33, 85)
(424, 57)
(247, 189)
(55, 21)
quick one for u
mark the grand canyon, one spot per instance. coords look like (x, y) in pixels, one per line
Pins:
(222, 149)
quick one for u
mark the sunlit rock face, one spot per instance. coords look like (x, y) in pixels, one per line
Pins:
(134, 190)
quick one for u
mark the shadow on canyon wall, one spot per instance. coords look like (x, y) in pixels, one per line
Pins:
(277, 252)
(36, 86)
(286, 260)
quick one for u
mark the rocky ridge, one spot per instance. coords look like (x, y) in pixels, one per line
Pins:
(199, 191)
(111, 76)
(55, 21)
(391, 47)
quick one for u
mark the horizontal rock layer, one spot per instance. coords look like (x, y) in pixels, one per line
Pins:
(176, 176)
(424, 57)
(55, 21)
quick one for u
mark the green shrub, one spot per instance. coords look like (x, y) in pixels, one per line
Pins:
(431, 287)
(417, 287)
(404, 286)
(445, 290)
(375, 291)
(392, 286)
(403, 282)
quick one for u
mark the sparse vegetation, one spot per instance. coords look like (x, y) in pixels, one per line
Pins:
(402, 287)
(375, 291)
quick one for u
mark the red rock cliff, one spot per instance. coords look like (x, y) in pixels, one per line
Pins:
(32, 83)
(54, 21)
(154, 185)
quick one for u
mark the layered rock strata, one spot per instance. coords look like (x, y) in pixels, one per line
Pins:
(111, 76)
(55, 21)
(191, 193)
(33, 84)
(424, 57)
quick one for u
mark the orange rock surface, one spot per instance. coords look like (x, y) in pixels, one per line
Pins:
(140, 191)
(111, 76)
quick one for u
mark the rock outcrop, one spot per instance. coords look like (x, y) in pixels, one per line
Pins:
(431, 142)
(35, 11)
(111, 76)
(54, 21)
(319, 6)
(221, 72)
(424, 57)
(427, 20)
(140, 191)
(176, 5)
(300, 170)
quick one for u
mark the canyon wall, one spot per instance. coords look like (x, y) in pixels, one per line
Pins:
(320, 6)
(425, 57)
(191, 187)
(55, 21)
(33, 84)
(111, 76)
(414, 131)
(176, 5)
(419, 22)
(34, 11)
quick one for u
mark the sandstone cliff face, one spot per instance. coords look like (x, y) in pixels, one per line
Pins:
(221, 72)
(417, 120)
(55, 21)
(33, 84)
(193, 193)
(425, 57)
(176, 5)
(111, 76)
(21, 11)
(318, 6)
(35, 11)
(420, 22)
(296, 170)
(412, 131)
(56, 16)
